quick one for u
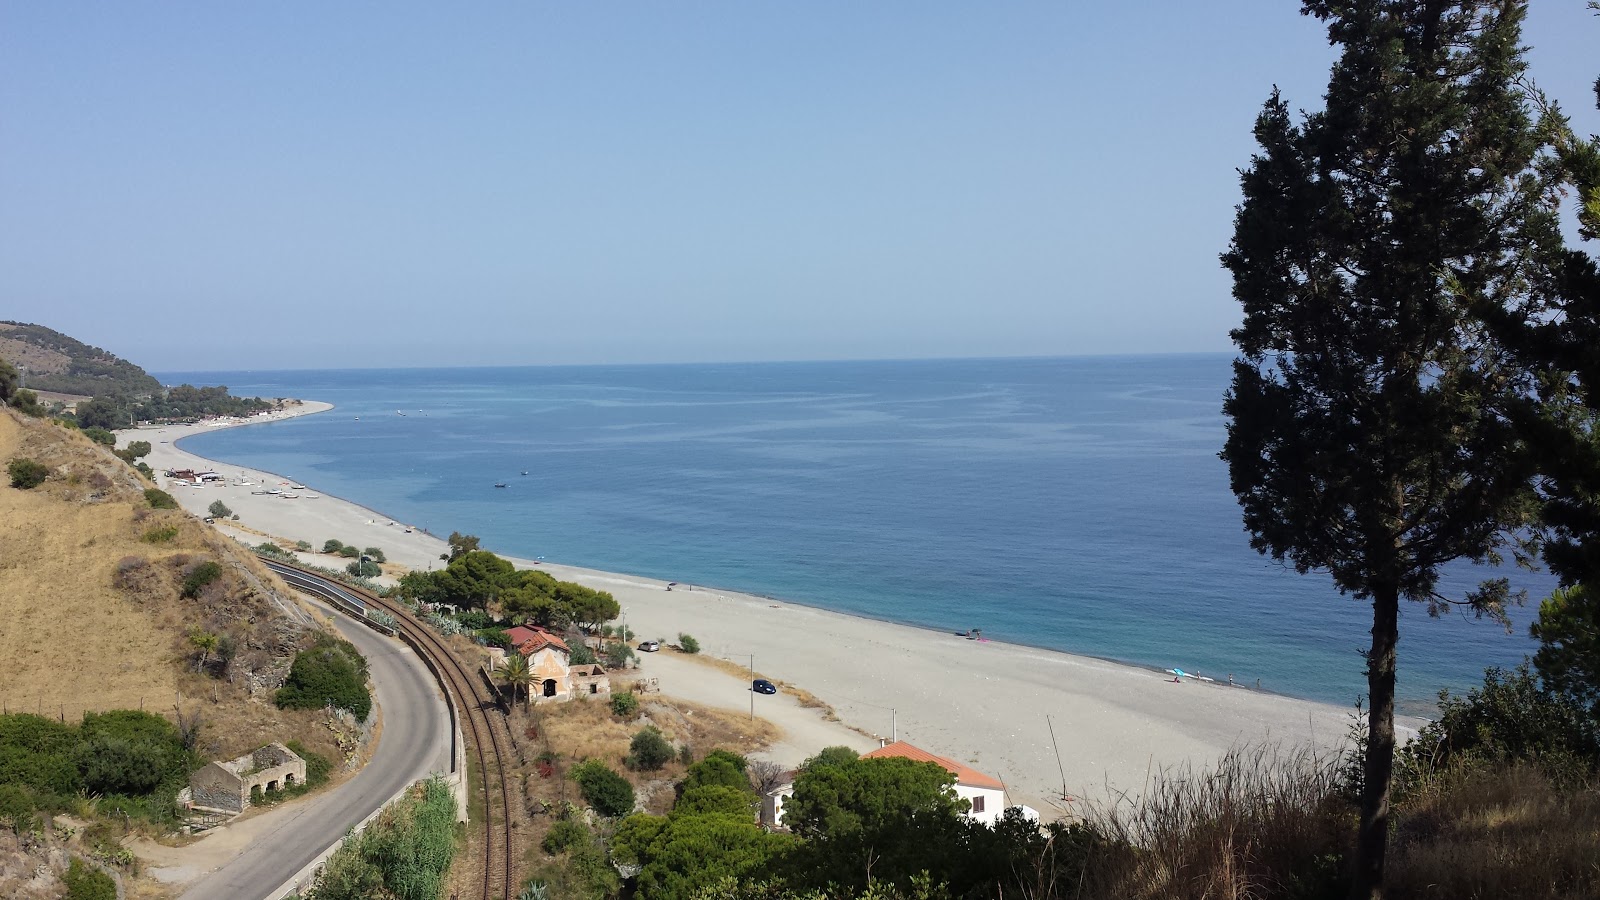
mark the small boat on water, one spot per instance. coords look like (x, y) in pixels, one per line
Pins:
(499, 484)
(524, 471)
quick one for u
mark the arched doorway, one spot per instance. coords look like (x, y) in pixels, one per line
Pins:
(549, 687)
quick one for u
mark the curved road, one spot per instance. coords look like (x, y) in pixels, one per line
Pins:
(415, 743)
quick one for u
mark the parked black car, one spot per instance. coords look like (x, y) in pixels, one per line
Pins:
(763, 686)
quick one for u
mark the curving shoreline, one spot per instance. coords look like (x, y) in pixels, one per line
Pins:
(984, 703)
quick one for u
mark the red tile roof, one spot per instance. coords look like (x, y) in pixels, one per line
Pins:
(965, 775)
(530, 640)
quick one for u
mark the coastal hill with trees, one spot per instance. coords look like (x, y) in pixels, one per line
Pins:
(51, 361)
(104, 390)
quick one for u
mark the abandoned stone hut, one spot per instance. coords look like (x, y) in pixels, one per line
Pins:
(226, 786)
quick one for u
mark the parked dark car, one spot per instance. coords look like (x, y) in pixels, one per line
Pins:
(763, 686)
(650, 646)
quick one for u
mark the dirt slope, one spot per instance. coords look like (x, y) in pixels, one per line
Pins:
(91, 612)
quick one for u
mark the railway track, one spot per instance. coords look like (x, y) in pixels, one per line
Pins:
(490, 735)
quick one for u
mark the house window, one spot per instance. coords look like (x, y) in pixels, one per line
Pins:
(594, 688)
(977, 804)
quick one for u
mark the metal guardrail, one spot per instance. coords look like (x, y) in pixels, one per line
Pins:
(322, 587)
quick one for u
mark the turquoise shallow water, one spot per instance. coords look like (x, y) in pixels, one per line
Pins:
(1076, 504)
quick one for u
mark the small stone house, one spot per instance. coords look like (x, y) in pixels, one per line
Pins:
(225, 786)
(552, 676)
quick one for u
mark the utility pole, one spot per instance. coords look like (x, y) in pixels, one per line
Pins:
(752, 687)
(894, 733)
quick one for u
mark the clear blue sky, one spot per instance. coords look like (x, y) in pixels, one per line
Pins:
(289, 185)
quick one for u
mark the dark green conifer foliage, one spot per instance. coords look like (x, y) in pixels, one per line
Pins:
(1369, 434)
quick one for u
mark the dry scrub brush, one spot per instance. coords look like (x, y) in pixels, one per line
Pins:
(1498, 830)
(1264, 822)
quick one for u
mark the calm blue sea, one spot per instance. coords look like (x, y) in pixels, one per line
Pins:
(1073, 503)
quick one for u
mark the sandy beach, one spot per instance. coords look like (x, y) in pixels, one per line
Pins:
(989, 704)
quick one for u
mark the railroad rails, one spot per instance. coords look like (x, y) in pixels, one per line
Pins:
(489, 745)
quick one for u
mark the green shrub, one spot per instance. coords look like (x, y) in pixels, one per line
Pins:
(271, 549)
(563, 834)
(495, 637)
(349, 552)
(404, 854)
(363, 569)
(581, 655)
(649, 750)
(475, 619)
(100, 436)
(198, 577)
(130, 752)
(159, 499)
(303, 546)
(375, 554)
(37, 753)
(624, 704)
(85, 882)
(617, 655)
(331, 671)
(17, 808)
(605, 790)
(27, 474)
(219, 509)
(161, 534)
(332, 545)
(688, 644)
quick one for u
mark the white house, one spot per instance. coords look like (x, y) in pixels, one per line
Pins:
(985, 793)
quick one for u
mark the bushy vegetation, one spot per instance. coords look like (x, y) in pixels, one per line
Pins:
(132, 453)
(100, 436)
(160, 534)
(603, 789)
(577, 868)
(27, 474)
(624, 704)
(159, 499)
(473, 577)
(332, 545)
(649, 751)
(710, 835)
(85, 882)
(688, 644)
(219, 509)
(364, 569)
(331, 671)
(135, 762)
(404, 854)
(197, 576)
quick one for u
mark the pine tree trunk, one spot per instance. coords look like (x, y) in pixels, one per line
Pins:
(1372, 839)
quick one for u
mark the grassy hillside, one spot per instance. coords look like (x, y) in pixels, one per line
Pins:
(92, 585)
(52, 361)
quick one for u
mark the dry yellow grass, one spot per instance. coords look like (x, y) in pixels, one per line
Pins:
(73, 639)
(68, 639)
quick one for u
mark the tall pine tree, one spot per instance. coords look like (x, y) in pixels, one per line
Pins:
(1369, 434)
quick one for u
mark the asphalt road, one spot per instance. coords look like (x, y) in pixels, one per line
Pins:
(415, 743)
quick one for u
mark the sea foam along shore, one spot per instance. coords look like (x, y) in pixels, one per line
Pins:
(985, 703)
